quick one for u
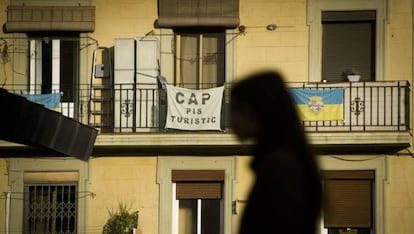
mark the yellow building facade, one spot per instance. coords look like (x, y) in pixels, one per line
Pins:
(134, 163)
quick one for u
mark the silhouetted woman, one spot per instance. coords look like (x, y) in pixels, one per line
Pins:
(286, 195)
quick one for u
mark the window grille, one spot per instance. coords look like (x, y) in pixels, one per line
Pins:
(50, 208)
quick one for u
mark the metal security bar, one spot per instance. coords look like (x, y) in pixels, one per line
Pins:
(50, 208)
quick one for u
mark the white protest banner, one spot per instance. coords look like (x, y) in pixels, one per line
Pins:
(194, 109)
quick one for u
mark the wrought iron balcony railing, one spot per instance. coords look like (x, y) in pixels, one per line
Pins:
(118, 108)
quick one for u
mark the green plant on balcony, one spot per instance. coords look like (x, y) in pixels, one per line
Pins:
(121, 221)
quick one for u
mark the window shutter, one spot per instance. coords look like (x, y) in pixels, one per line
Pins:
(201, 190)
(348, 199)
(348, 42)
(198, 184)
(198, 13)
(50, 18)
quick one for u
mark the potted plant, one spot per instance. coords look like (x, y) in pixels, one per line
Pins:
(121, 221)
(352, 74)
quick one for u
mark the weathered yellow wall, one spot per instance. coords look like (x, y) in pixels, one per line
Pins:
(285, 49)
(123, 19)
(130, 180)
(399, 62)
(400, 195)
(399, 55)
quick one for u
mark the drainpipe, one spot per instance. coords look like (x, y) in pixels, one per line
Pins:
(7, 211)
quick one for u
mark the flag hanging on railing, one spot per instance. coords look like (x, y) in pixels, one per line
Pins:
(319, 105)
(190, 109)
(48, 100)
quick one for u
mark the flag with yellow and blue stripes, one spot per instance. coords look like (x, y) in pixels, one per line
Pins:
(319, 105)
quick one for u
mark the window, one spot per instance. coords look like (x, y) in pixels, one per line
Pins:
(54, 67)
(48, 183)
(50, 208)
(348, 41)
(348, 201)
(374, 165)
(198, 46)
(326, 16)
(196, 194)
(198, 201)
(200, 59)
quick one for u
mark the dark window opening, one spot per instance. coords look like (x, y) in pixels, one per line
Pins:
(67, 55)
(348, 42)
(50, 208)
(69, 70)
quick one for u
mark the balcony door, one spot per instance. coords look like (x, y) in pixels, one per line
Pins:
(200, 59)
(54, 67)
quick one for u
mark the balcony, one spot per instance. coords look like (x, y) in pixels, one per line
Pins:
(131, 117)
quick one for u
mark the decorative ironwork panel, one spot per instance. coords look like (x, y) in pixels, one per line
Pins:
(50, 208)
(357, 106)
(127, 108)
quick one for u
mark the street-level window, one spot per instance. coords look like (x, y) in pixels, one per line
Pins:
(198, 201)
(349, 198)
(50, 208)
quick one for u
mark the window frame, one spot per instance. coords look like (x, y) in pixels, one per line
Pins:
(314, 20)
(336, 23)
(166, 165)
(359, 187)
(67, 222)
(58, 83)
(63, 166)
(199, 36)
(376, 163)
(199, 212)
(168, 53)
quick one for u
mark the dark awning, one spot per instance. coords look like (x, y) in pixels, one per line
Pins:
(198, 13)
(32, 124)
(49, 18)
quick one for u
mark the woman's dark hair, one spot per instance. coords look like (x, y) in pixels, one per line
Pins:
(280, 129)
(267, 95)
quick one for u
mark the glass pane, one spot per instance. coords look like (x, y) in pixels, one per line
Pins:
(189, 61)
(212, 57)
(210, 216)
(68, 69)
(187, 216)
(46, 60)
(213, 60)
